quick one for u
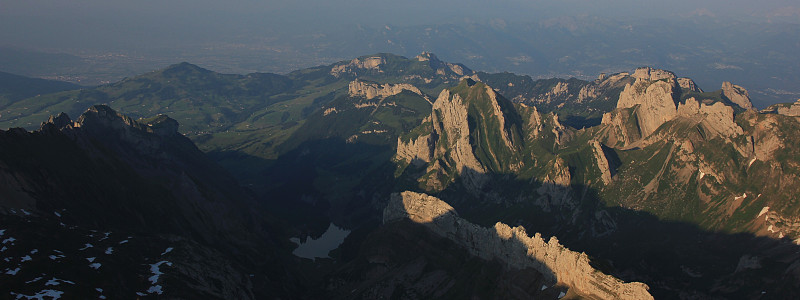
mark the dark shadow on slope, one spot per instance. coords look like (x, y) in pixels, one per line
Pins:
(676, 259)
(405, 259)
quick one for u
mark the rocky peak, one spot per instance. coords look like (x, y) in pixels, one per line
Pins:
(654, 100)
(365, 63)
(441, 67)
(162, 125)
(473, 129)
(688, 83)
(371, 90)
(513, 247)
(651, 74)
(102, 116)
(427, 56)
(62, 120)
(717, 118)
(737, 95)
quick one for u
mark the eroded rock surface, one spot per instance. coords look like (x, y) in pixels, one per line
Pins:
(514, 247)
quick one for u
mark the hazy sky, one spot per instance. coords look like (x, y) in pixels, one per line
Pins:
(43, 23)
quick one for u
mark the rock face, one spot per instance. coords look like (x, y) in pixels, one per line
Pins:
(602, 161)
(371, 90)
(717, 118)
(688, 83)
(647, 73)
(792, 110)
(417, 151)
(448, 137)
(655, 100)
(442, 68)
(514, 247)
(366, 63)
(737, 95)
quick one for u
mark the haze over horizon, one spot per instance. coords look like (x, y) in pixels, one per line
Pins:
(709, 40)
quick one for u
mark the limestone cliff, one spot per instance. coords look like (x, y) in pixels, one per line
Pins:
(470, 131)
(602, 162)
(792, 110)
(650, 74)
(716, 119)
(688, 84)
(655, 101)
(737, 95)
(371, 90)
(366, 63)
(514, 247)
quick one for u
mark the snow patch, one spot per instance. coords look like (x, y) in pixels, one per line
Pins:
(90, 259)
(3, 249)
(56, 281)
(2, 232)
(167, 251)
(154, 268)
(87, 246)
(544, 287)
(55, 257)
(26, 212)
(12, 272)
(34, 251)
(156, 289)
(57, 214)
(9, 240)
(770, 229)
(561, 295)
(53, 294)
(751, 162)
(95, 266)
(702, 174)
(140, 294)
(109, 250)
(744, 195)
(26, 258)
(123, 242)
(34, 280)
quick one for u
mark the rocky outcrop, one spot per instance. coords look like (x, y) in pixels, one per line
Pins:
(647, 73)
(415, 151)
(514, 247)
(655, 100)
(450, 123)
(555, 189)
(448, 137)
(688, 84)
(716, 119)
(365, 63)
(792, 110)
(622, 127)
(443, 68)
(737, 95)
(371, 90)
(602, 162)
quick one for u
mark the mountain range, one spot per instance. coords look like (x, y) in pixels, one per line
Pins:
(633, 185)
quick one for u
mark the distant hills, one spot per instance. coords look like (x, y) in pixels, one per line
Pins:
(711, 50)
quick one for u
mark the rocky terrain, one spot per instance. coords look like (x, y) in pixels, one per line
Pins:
(682, 192)
(89, 203)
(513, 247)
